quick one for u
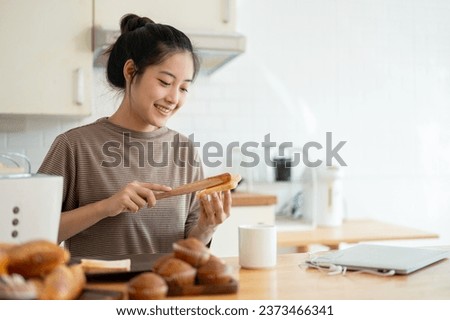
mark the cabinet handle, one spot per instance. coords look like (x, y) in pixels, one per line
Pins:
(79, 97)
(226, 12)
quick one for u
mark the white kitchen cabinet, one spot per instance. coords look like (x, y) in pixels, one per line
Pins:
(46, 50)
(225, 242)
(216, 16)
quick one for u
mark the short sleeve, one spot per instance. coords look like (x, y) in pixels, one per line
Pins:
(60, 160)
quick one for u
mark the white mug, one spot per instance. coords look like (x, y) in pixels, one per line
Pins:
(257, 246)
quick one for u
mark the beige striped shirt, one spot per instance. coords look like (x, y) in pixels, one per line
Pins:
(98, 159)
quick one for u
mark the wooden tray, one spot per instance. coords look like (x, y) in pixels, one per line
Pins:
(198, 289)
(194, 290)
(100, 294)
(143, 263)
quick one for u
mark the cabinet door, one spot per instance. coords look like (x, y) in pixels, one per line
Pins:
(46, 65)
(187, 15)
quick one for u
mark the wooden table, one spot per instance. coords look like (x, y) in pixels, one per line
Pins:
(351, 231)
(287, 281)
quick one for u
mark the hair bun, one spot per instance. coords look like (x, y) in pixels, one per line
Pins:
(131, 22)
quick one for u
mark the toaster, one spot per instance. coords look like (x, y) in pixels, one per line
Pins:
(30, 207)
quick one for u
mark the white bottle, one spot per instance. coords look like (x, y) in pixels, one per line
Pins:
(323, 196)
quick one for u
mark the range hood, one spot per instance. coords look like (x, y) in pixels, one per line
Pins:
(214, 49)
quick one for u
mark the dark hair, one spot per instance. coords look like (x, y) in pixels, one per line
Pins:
(146, 43)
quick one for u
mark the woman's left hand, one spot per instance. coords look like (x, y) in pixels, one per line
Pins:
(215, 209)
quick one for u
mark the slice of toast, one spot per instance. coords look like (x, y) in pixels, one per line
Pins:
(105, 266)
(229, 185)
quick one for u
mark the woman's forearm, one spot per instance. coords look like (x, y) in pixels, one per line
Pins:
(74, 221)
(131, 198)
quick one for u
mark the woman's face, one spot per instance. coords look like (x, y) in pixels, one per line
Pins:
(159, 92)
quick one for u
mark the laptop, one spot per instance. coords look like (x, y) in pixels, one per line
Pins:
(380, 258)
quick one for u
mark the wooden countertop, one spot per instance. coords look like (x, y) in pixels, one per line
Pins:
(241, 199)
(351, 231)
(287, 281)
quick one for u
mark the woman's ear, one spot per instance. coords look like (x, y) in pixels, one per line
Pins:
(129, 69)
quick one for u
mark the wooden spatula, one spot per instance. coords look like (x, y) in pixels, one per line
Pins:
(195, 186)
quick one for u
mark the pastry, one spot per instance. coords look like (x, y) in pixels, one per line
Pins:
(6, 246)
(147, 286)
(161, 260)
(191, 250)
(4, 259)
(63, 283)
(214, 271)
(36, 258)
(176, 272)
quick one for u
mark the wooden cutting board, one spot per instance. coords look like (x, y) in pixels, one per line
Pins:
(100, 294)
(195, 290)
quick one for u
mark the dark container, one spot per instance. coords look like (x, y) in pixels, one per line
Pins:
(282, 168)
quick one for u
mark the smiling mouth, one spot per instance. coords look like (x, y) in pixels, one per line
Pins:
(163, 109)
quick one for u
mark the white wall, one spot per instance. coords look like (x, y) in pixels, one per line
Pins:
(374, 73)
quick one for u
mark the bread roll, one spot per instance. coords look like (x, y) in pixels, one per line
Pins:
(176, 272)
(161, 260)
(36, 258)
(192, 251)
(63, 283)
(214, 271)
(147, 286)
(38, 284)
(4, 260)
(4, 247)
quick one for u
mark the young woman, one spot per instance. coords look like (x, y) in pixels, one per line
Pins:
(113, 167)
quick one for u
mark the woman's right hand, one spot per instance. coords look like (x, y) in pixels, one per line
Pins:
(133, 197)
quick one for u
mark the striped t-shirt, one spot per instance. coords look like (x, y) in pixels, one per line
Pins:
(98, 159)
